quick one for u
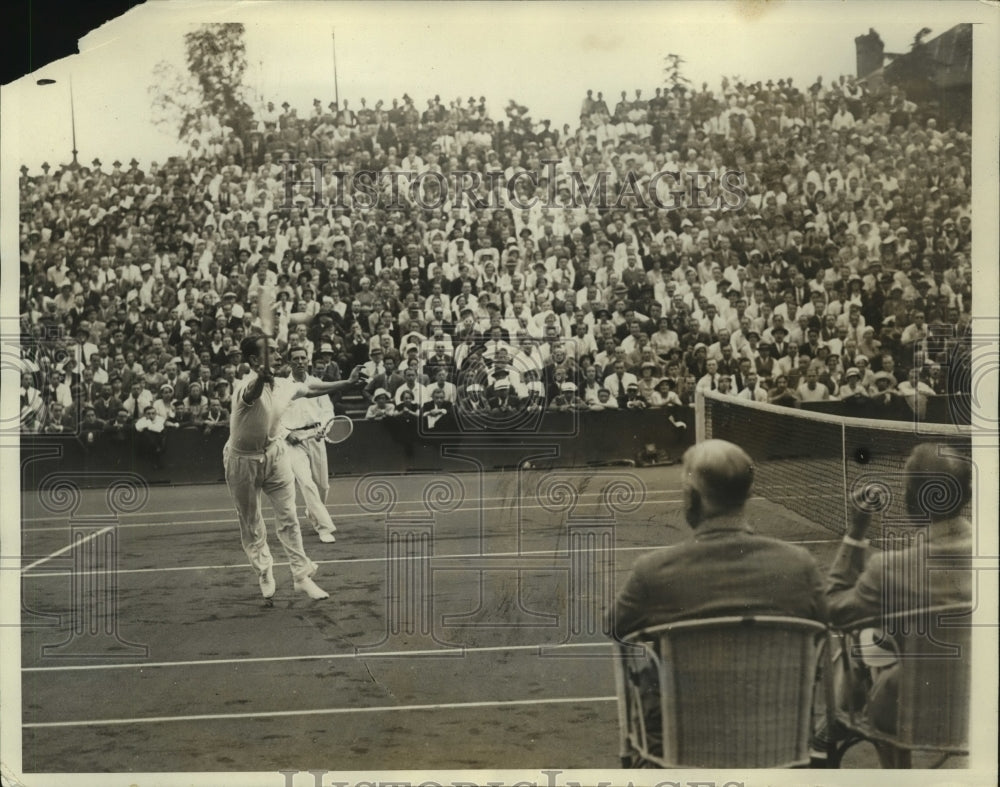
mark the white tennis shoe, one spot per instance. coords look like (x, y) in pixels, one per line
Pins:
(311, 589)
(267, 586)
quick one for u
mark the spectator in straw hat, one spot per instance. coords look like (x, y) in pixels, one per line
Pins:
(852, 389)
(381, 406)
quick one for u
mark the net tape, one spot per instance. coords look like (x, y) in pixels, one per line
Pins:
(811, 462)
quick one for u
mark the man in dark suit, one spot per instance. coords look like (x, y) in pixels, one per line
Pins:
(390, 379)
(725, 568)
(440, 360)
(91, 428)
(438, 413)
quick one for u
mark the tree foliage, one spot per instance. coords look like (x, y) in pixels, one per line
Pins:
(914, 70)
(215, 55)
(675, 79)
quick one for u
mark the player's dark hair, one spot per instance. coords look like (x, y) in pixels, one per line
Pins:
(250, 347)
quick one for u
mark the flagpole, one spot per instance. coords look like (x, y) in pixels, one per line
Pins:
(72, 121)
(336, 88)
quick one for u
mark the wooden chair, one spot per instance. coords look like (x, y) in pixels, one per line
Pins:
(733, 692)
(932, 652)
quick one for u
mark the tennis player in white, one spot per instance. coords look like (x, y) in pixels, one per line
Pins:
(255, 460)
(303, 423)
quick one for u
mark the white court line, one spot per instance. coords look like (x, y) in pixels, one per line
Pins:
(443, 652)
(317, 712)
(269, 511)
(354, 504)
(381, 559)
(67, 548)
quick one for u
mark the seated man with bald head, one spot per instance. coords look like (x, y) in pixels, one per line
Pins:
(724, 568)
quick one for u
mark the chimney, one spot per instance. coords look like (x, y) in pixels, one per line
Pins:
(869, 50)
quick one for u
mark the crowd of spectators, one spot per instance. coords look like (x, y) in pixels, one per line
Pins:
(846, 273)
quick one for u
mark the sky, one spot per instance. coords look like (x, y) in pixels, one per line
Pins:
(545, 55)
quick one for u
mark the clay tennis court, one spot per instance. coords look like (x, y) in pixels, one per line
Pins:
(477, 645)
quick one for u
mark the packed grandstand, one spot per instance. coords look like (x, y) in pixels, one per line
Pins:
(496, 263)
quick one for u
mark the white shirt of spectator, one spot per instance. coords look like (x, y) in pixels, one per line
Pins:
(154, 424)
(816, 392)
(756, 394)
(450, 392)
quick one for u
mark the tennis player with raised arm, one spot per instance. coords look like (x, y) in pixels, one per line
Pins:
(304, 424)
(256, 460)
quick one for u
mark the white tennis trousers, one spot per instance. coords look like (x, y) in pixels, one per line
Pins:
(247, 475)
(309, 466)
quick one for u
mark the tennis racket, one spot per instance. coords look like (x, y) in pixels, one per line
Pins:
(265, 311)
(337, 429)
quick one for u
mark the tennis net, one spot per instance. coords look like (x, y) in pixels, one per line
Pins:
(811, 462)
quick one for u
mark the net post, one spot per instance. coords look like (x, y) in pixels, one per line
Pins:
(843, 471)
(699, 416)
